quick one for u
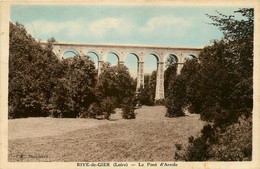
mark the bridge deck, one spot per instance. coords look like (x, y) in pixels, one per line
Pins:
(124, 45)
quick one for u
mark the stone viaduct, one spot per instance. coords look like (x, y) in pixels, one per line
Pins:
(121, 51)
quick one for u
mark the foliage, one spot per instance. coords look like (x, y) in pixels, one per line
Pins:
(180, 92)
(74, 92)
(176, 96)
(169, 73)
(101, 110)
(128, 108)
(146, 94)
(108, 106)
(235, 144)
(160, 102)
(33, 72)
(94, 110)
(222, 92)
(128, 111)
(231, 144)
(42, 85)
(178, 146)
(115, 82)
(219, 84)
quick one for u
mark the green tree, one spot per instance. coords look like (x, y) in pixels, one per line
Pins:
(74, 91)
(224, 88)
(115, 82)
(183, 90)
(229, 63)
(146, 94)
(33, 72)
(169, 73)
(42, 85)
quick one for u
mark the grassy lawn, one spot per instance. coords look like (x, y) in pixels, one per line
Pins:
(149, 137)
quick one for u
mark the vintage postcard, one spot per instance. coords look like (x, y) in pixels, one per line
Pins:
(130, 84)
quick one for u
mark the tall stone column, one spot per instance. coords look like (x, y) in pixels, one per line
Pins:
(140, 75)
(159, 94)
(179, 67)
(100, 64)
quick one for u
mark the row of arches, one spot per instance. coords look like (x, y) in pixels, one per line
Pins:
(72, 53)
(131, 60)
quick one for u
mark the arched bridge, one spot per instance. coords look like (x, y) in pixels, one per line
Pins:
(121, 51)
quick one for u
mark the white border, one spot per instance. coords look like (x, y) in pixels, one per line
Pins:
(4, 51)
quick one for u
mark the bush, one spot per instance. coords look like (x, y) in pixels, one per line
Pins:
(235, 144)
(215, 144)
(145, 96)
(174, 111)
(178, 146)
(176, 98)
(160, 102)
(198, 147)
(115, 82)
(108, 106)
(74, 92)
(128, 112)
(93, 111)
(146, 93)
(55, 113)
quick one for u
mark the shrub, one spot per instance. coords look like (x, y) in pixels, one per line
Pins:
(55, 113)
(174, 111)
(128, 111)
(74, 92)
(146, 93)
(178, 146)
(108, 106)
(160, 102)
(175, 100)
(235, 144)
(231, 144)
(93, 111)
(145, 96)
(115, 82)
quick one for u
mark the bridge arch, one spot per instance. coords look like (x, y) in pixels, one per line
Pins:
(171, 56)
(135, 54)
(94, 56)
(190, 56)
(69, 53)
(94, 52)
(114, 53)
(149, 62)
(131, 61)
(155, 54)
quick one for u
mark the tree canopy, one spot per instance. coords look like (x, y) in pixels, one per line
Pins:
(42, 85)
(219, 87)
(33, 72)
(116, 82)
